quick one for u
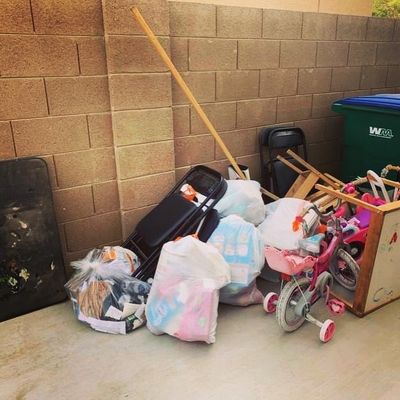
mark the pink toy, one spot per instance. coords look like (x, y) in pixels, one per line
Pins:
(304, 289)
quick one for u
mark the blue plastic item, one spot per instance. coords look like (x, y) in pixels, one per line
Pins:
(386, 101)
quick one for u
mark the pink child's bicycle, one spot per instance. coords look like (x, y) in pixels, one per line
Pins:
(309, 281)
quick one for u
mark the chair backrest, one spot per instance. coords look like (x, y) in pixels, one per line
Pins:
(274, 141)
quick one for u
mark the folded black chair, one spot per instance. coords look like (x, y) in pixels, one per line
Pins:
(175, 216)
(276, 176)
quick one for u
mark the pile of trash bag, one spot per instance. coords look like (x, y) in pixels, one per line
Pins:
(191, 278)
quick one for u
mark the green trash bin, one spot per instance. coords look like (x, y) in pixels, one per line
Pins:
(372, 133)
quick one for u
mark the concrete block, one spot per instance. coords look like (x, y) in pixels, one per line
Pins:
(202, 85)
(193, 150)
(74, 203)
(221, 115)
(6, 141)
(281, 24)
(240, 143)
(85, 167)
(119, 20)
(212, 54)
(92, 56)
(314, 129)
(181, 119)
(134, 54)
(71, 17)
(23, 55)
(314, 80)
(332, 54)
(16, 16)
(142, 126)
(93, 231)
(351, 27)
(354, 93)
(41, 136)
(319, 26)
(14, 102)
(180, 53)
(393, 77)
(131, 91)
(298, 53)
(131, 218)
(188, 19)
(373, 77)
(258, 112)
(380, 29)
(105, 196)
(145, 159)
(388, 54)
(278, 82)
(100, 130)
(293, 108)
(146, 190)
(78, 95)
(236, 85)
(258, 54)
(221, 166)
(321, 106)
(347, 78)
(362, 53)
(239, 22)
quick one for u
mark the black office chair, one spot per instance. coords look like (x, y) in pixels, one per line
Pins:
(274, 141)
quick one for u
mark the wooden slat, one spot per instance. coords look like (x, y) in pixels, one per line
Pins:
(334, 179)
(350, 199)
(394, 205)
(295, 186)
(289, 164)
(305, 164)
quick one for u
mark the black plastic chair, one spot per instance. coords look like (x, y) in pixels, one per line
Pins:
(274, 141)
(175, 216)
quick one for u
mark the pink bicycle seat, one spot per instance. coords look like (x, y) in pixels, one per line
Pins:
(289, 264)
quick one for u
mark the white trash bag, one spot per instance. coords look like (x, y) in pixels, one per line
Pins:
(278, 230)
(183, 300)
(242, 198)
(242, 247)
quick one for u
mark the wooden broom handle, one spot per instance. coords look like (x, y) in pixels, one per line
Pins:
(139, 18)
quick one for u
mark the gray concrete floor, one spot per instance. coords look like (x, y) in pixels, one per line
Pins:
(49, 355)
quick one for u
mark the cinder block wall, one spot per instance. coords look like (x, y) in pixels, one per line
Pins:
(253, 68)
(81, 86)
(55, 103)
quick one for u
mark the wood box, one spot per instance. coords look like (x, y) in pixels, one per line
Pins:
(379, 280)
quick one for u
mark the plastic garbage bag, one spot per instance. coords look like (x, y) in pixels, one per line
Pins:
(183, 301)
(242, 198)
(104, 295)
(241, 245)
(278, 228)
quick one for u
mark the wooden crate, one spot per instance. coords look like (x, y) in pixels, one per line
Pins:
(379, 280)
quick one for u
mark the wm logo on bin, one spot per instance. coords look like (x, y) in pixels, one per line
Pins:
(380, 132)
